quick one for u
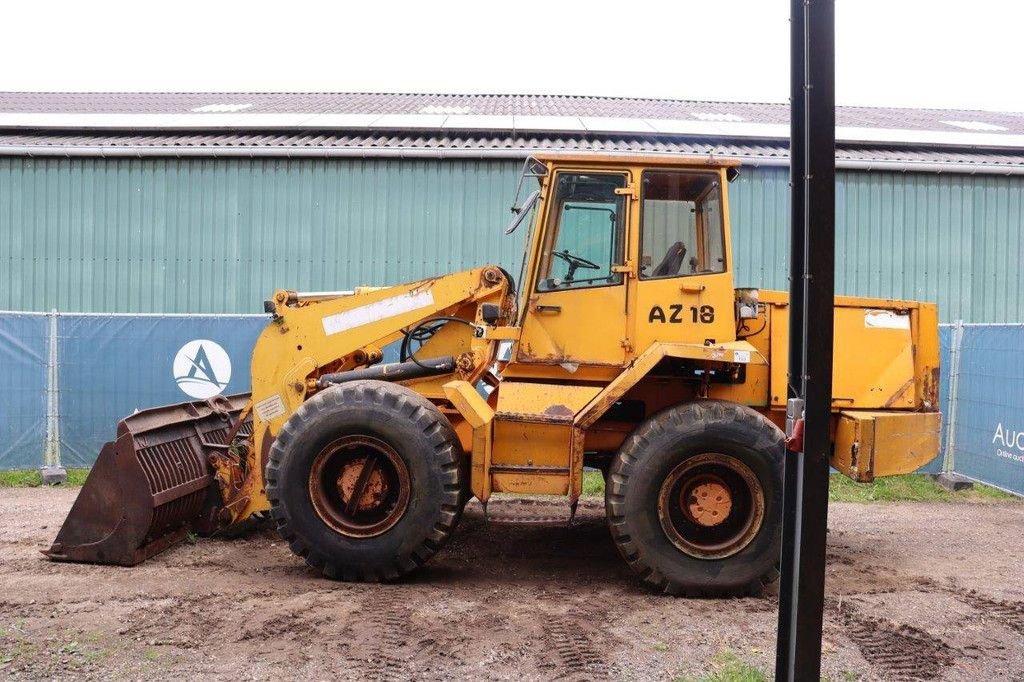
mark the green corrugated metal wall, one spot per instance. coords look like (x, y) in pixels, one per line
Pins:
(951, 238)
(219, 235)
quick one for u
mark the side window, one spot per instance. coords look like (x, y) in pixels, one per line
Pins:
(681, 229)
(587, 233)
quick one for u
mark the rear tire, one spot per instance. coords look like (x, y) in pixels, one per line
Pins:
(667, 527)
(364, 481)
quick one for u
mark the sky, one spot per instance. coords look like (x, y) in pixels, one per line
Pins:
(904, 53)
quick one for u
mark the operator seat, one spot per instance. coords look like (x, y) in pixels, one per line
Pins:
(672, 261)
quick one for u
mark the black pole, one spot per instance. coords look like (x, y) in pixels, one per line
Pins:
(812, 292)
(797, 178)
(796, 322)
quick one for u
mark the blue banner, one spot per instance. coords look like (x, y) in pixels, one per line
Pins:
(110, 366)
(23, 355)
(989, 430)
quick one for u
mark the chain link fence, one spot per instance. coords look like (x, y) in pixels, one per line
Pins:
(72, 377)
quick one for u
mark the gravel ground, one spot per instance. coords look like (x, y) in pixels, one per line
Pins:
(915, 591)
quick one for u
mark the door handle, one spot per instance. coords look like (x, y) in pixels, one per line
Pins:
(548, 309)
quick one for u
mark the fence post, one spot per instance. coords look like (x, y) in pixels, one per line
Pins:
(52, 471)
(956, 342)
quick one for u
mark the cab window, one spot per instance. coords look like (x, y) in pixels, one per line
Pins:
(682, 232)
(587, 233)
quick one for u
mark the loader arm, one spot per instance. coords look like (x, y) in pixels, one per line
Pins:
(310, 343)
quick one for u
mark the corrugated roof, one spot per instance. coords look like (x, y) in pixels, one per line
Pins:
(368, 124)
(484, 105)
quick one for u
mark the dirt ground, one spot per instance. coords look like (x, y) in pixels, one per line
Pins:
(915, 591)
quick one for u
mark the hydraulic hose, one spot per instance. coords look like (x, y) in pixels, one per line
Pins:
(393, 371)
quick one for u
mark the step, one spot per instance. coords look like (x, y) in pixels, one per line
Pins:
(519, 513)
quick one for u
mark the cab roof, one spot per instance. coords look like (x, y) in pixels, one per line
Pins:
(662, 160)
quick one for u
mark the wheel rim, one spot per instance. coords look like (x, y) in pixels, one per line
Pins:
(359, 486)
(711, 506)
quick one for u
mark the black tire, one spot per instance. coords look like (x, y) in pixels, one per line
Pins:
(660, 446)
(411, 427)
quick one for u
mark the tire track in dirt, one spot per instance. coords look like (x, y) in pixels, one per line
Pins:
(392, 632)
(578, 654)
(902, 651)
(1009, 613)
(576, 645)
(401, 649)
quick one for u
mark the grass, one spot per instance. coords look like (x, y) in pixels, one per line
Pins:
(30, 478)
(728, 667)
(593, 484)
(908, 488)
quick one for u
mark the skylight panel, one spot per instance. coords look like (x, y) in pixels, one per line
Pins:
(716, 116)
(975, 125)
(220, 108)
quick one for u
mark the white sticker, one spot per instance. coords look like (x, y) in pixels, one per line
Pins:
(269, 408)
(379, 310)
(741, 356)
(886, 319)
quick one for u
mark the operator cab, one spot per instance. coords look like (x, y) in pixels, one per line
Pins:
(624, 251)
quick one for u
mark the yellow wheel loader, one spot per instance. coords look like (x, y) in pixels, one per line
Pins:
(622, 346)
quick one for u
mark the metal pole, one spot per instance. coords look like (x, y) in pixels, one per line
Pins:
(51, 455)
(805, 509)
(955, 342)
(52, 471)
(796, 316)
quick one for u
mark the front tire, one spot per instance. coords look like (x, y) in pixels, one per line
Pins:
(694, 500)
(364, 481)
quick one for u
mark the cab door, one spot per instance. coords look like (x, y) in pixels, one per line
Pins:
(684, 291)
(575, 311)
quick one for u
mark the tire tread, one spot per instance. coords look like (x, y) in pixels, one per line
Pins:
(631, 455)
(394, 398)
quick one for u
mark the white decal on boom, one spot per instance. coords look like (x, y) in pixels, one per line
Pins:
(886, 319)
(380, 310)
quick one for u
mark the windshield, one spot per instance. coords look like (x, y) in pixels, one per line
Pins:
(586, 237)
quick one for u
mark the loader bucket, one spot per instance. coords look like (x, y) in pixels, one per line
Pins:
(151, 486)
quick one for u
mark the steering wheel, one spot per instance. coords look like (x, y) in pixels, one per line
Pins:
(575, 263)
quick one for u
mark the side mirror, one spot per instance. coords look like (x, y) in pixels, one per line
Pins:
(520, 212)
